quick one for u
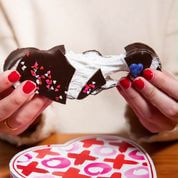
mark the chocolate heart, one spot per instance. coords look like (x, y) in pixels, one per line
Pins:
(88, 157)
(136, 69)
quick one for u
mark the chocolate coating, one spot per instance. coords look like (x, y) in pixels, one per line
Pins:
(139, 53)
(95, 82)
(47, 69)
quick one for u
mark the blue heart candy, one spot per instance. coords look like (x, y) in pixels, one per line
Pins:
(136, 69)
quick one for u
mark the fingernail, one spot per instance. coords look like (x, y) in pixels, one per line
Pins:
(13, 77)
(28, 87)
(138, 84)
(148, 74)
(125, 83)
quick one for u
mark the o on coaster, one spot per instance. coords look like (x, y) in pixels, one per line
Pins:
(85, 157)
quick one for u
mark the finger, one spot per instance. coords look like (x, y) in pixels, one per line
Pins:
(145, 122)
(151, 119)
(163, 80)
(157, 98)
(7, 79)
(16, 99)
(24, 117)
(148, 115)
(5, 93)
(169, 74)
(23, 128)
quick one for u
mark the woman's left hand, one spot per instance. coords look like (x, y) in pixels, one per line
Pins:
(153, 98)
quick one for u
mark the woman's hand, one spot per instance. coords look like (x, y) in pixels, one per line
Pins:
(18, 107)
(153, 98)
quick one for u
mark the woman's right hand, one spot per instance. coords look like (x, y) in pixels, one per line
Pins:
(18, 107)
(153, 98)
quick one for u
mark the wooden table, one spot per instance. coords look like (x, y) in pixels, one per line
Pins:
(164, 155)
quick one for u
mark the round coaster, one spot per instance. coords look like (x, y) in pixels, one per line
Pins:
(85, 157)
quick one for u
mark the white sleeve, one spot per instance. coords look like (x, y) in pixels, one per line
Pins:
(169, 51)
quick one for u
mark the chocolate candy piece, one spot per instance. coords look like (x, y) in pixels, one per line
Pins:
(49, 69)
(140, 56)
(95, 82)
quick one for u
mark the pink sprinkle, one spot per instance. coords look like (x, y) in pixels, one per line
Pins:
(33, 73)
(41, 68)
(84, 91)
(49, 82)
(92, 86)
(86, 87)
(48, 72)
(59, 86)
(47, 86)
(49, 76)
(56, 90)
(35, 66)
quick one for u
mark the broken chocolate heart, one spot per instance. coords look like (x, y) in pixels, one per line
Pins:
(50, 70)
(60, 75)
(87, 157)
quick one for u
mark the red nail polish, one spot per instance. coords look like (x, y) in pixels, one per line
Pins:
(28, 87)
(125, 83)
(138, 84)
(148, 74)
(13, 77)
